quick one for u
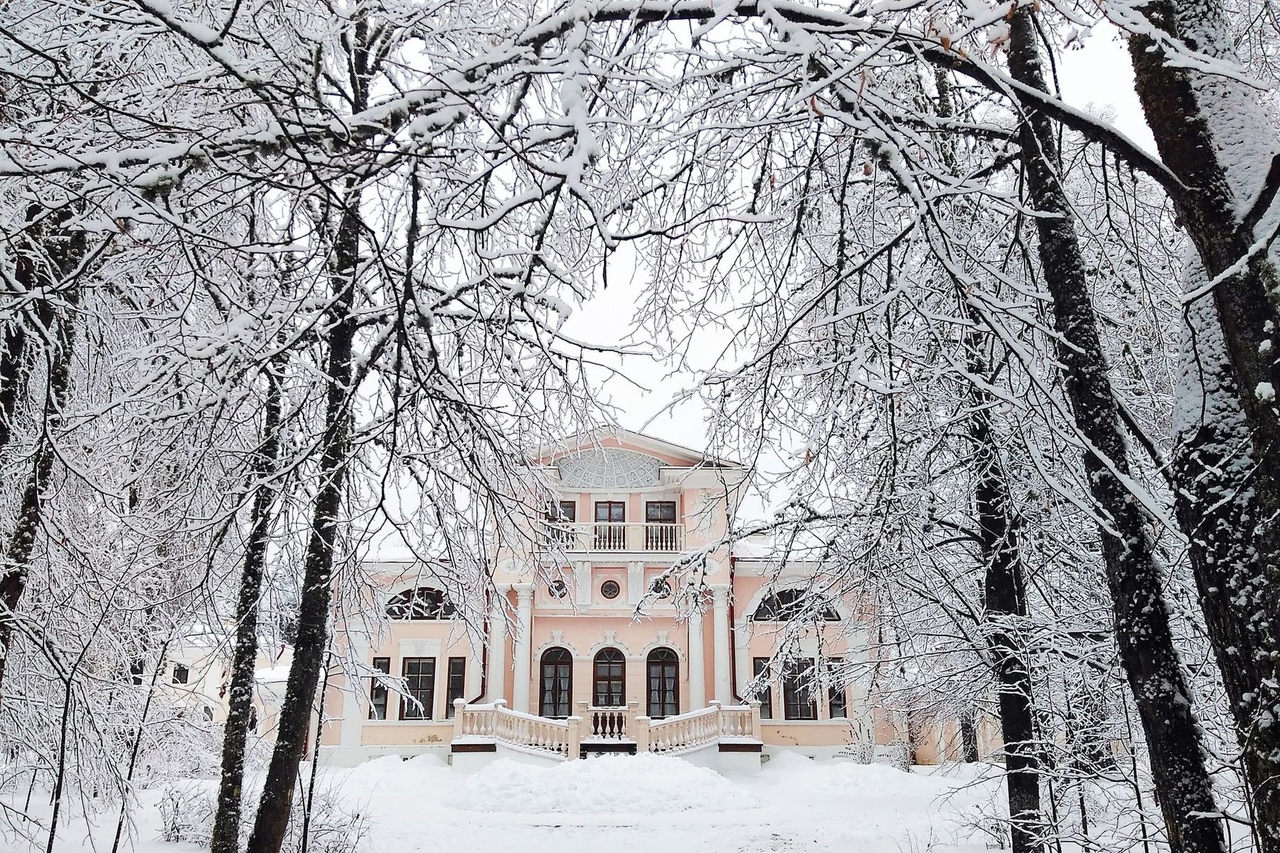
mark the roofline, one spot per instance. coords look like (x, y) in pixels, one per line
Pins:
(579, 440)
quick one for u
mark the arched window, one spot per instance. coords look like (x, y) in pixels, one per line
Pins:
(663, 683)
(787, 604)
(556, 684)
(610, 679)
(421, 603)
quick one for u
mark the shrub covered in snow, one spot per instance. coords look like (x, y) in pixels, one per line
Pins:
(187, 812)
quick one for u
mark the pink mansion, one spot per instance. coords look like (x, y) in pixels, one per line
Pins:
(590, 650)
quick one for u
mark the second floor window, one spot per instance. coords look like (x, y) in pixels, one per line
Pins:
(180, 674)
(560, 514)
(660, 512)
(610, 534)
(660, 526)
(611, 511)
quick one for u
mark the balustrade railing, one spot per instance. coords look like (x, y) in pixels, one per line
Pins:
(684, 731)
(609, 723)
(563, 738)
(615, 536)
(560, 738)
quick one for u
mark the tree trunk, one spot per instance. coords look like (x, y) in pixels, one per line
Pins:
(1142, 630)
(272, 820)
(1005, 596)
(64, 254)
(226, 824)
(1211, 132)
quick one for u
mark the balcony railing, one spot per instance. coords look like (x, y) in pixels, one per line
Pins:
(615, 536)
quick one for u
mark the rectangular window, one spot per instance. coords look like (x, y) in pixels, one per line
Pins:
(136, 669)
(180, 674)
(615, 511)
(566, 511)
(457, 684)
(560, 515)
(758, 666)
(797, 697)
(837, 693)
(660, 512)
(611, 534)
(378, 690)
(420, 687)
(660, 526)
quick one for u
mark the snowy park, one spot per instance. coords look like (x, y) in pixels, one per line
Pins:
(639, 425)
(643, 804)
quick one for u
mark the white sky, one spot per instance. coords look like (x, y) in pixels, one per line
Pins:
(1097, 78)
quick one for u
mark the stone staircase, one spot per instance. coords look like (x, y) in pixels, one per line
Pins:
(485, 730)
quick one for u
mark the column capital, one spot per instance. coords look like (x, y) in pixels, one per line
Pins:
(720, 594)
(524, 593)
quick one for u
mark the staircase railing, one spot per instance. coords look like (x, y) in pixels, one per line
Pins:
(684, 732)
(560, 738)
(563, 738)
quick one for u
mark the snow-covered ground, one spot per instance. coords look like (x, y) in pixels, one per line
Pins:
(638, 804)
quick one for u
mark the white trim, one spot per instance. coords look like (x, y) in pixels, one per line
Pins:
(659, 644)
(606, 644)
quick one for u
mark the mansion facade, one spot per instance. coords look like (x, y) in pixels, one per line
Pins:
(592, 645)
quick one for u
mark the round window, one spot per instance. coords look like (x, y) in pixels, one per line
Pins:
(558, 588)
(610, 589)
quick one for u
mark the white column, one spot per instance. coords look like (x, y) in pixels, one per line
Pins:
(497, 685)
(720, 624)
(697, 654)
(355, 696)
(524, 640)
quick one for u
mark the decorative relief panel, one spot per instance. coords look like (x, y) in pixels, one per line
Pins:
(608, 469)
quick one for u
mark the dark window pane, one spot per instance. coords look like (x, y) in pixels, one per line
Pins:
(837, 693)
(378, 690)
(556, 684)
(610, 679)
(610, 511)
(758, 666)
(660, 512)
(797, 697)
(660, 531)
(180, 674)
(420, 685)
(457, 684)
(664, 683)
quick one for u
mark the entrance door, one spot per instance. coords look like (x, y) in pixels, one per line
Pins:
(556, 684)
(610, 679)
(663, 683)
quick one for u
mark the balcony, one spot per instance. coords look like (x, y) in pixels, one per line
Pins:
(609, 536)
